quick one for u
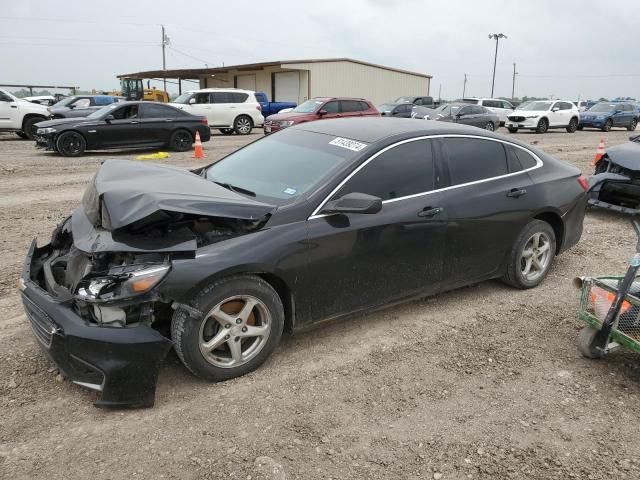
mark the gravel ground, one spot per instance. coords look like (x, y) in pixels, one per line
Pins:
(483, 382)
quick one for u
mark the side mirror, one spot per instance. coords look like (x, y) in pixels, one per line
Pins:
(192, 101)
(354, 203)
(109, 117)
(322, 113)
(555, 109)
(72, 106)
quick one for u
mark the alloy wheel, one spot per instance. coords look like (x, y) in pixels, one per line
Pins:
(244, 125)
(489, 126)
(183, 140)
(235, 331)
(70, 145)
(536, 256)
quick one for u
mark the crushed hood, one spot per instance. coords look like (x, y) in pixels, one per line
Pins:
(124, 192)
(626, 155)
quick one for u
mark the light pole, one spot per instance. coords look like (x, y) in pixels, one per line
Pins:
(497, 37)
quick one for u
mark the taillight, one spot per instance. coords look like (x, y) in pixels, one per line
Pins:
(584, 183)
(205, 121)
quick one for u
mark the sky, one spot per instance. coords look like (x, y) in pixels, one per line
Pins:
(567, 49)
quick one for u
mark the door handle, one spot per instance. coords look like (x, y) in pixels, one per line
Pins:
(168, 120)
(133, 122)
(516, 192)
(430, 211)
(14, 106)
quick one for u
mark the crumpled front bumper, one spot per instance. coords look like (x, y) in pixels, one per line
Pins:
(121, 363)
(48, 142)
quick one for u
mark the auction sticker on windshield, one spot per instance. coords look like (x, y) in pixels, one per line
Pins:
(348, 144)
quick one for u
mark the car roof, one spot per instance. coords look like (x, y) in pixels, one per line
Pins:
(372, 130)
(340, 98)
(210, 90)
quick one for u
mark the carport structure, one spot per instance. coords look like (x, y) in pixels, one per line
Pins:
(299, 80)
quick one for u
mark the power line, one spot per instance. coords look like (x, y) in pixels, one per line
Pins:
(206, 62)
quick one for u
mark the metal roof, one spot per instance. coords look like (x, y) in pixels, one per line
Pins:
(194, 73)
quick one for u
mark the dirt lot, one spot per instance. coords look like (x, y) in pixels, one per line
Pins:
(483, 382)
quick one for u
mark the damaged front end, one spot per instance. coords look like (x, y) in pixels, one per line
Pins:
(93, 294)
(615, 184)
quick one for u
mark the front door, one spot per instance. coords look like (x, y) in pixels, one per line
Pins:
(363, 260)
(488, 205)
(8, 112)
(123, 130)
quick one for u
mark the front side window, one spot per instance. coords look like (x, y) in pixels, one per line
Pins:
(403, 170)
(81, 103)
(123, 113)
(202, 97)
(473, 159)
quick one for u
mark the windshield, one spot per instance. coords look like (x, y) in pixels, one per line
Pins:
(103, 111)
(536, 106)
(603, 107)
(387, 107)
(448, 109)
(474, 101)
(184, 98)
(281, 167)
(309, 106)
(404, 99)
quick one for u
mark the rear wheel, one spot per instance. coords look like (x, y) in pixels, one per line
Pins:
(573, 125)
(226, 131)
(531, 255)
(490, 126)
(512, 129)
(607, 126)
(241, 326)
(71, 144)
(543, 126)
(181, 140)
(586, 343)
(243, 125)
(632, 126)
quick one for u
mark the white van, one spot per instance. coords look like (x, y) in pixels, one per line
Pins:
(227, 109)
(500, 107)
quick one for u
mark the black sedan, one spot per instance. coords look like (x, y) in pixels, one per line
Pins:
(123, 125)
(474, 115)
(397, 110)
(317, 221)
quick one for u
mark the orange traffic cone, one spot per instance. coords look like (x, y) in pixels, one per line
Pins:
(599, 152)
(197, 147)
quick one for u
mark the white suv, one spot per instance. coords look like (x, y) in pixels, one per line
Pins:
(227, 109)
(541, 115)
(500, 107)
(20, 116)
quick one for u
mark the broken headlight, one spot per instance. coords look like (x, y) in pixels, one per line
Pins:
(42, 131)
(122, 282)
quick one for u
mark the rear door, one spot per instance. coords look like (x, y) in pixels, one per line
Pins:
(488, 203)
(350, 108)
(223, 110)
(556, 116)
(366, 260)
(156, 123)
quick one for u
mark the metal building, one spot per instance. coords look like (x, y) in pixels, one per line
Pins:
(299, 80)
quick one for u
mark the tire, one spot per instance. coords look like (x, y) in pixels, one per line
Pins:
(181, 140)
(22, 135)
(224, 296)
(607, 126)
(71, 144)
(490, 126)
(243, 125)
(543, 126)
(512, 129)
(633, 125)
(226, 131)
(523, 273)
(580, 127)
(573, 125)
(29, 128)
(586, 343)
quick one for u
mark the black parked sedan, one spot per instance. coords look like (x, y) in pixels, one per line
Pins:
(123, 125)
(317, 221)
(474, 115)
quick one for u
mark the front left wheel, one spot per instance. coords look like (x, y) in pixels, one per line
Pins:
(490, 126)
(531, 255)
(71, 144)
(242, 323)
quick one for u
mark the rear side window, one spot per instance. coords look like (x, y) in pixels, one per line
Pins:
(364, 106)
(400, 171)
(350, 106)
(103, 100)
(157, 111)
(472, 159)
(524, 160)
(478, 110)
(237, 97)
(222, 97)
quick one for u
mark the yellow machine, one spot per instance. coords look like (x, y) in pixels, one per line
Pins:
(133, 89)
